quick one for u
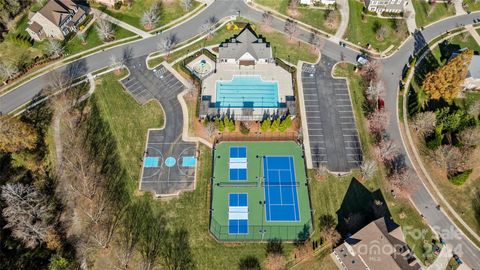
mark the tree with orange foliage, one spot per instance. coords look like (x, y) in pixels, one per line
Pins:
(446, 81)
(16, 135)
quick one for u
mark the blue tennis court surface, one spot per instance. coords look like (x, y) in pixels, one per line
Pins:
(151, 162)
(280, 189)
(238, 163)
(238, 213)
(189, 161)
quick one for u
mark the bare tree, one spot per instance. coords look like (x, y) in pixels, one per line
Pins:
(115, 62)
(375, 90)
(186, 4)
(166, 44)
(82, 36)
(327, 229)
(208, 28)
(105, 30)
(27, 213)
(317, 41)
(321, 170)
(449, 157)
(474, 109)
(293, 7)
(424, 123)
(267, 18)
(291, 29)
(378, 122)
(402, 182)
(210, 128)
(387, 150)
(331, 18)
(54, 48)
(151, 17)
(470, 137)
(381, 32)
(7, 70)
(368, 168)
(153, 238)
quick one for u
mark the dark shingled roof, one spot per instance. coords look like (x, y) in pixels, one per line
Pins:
(247, 41)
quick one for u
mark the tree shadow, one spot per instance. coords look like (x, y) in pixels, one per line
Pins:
(447, 49)
(359, 207)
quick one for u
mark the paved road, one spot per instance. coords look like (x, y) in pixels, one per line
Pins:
(391, 73)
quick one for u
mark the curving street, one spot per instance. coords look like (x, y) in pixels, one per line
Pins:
(391, 73)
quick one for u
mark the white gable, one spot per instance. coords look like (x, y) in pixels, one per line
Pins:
(246, 56)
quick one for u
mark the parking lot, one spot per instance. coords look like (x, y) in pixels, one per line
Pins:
(165, 169)
(330, 122)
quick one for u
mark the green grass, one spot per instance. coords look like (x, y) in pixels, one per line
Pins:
(312, 16)
(74, 45)
(471, 5)
(132, 15)
(426, 13)
(363, 32)
(256, 216)
(128, 120)
(331, 192)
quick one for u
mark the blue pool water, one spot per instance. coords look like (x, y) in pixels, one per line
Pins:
(247, 92)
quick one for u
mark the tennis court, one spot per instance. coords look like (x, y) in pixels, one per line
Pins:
(259, 192)
(280, 189)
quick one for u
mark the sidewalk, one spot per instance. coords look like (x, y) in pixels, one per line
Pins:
(127, 26)
(441, 262)
(410, 17)
(473, 33)
(343, 7)
(458, 7)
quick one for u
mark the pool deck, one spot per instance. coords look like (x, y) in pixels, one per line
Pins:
(268, 72)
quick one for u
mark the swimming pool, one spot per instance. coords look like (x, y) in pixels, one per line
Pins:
(247, 92)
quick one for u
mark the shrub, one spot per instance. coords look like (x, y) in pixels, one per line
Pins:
(117, 5)
(275, 125)
(285, 124)
(244, 128)
(460, 178)
(274, 246)
(219, 124)
(229, 124)
(249, 263)
(265, 125)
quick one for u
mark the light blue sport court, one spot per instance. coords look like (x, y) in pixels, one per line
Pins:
(247, 92)
(189, 161)
(281, 199)
(238, 163)
(151, 162)
(237, 213)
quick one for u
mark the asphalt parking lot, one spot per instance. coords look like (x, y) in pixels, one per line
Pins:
(330, 122)
(161, 85)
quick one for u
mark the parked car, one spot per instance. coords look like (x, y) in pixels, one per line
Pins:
(362, 59)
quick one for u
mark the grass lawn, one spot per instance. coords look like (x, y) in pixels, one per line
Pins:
(74, 45)
(128, 120)
(336, 193)
(471, 5)
(171, 10)
(311, 16)
(363, 32)
(284, 48)
(426, 13)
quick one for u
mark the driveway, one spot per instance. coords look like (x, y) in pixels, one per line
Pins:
(167, 175)
(330, 123)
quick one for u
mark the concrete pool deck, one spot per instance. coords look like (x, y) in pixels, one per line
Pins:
(267, 71)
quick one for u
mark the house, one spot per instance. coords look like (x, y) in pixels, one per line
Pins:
(472, 81)
(55, 20)
(385, 6)
(312, 2)
(246, 48)
(379, 245)
(244, 81)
